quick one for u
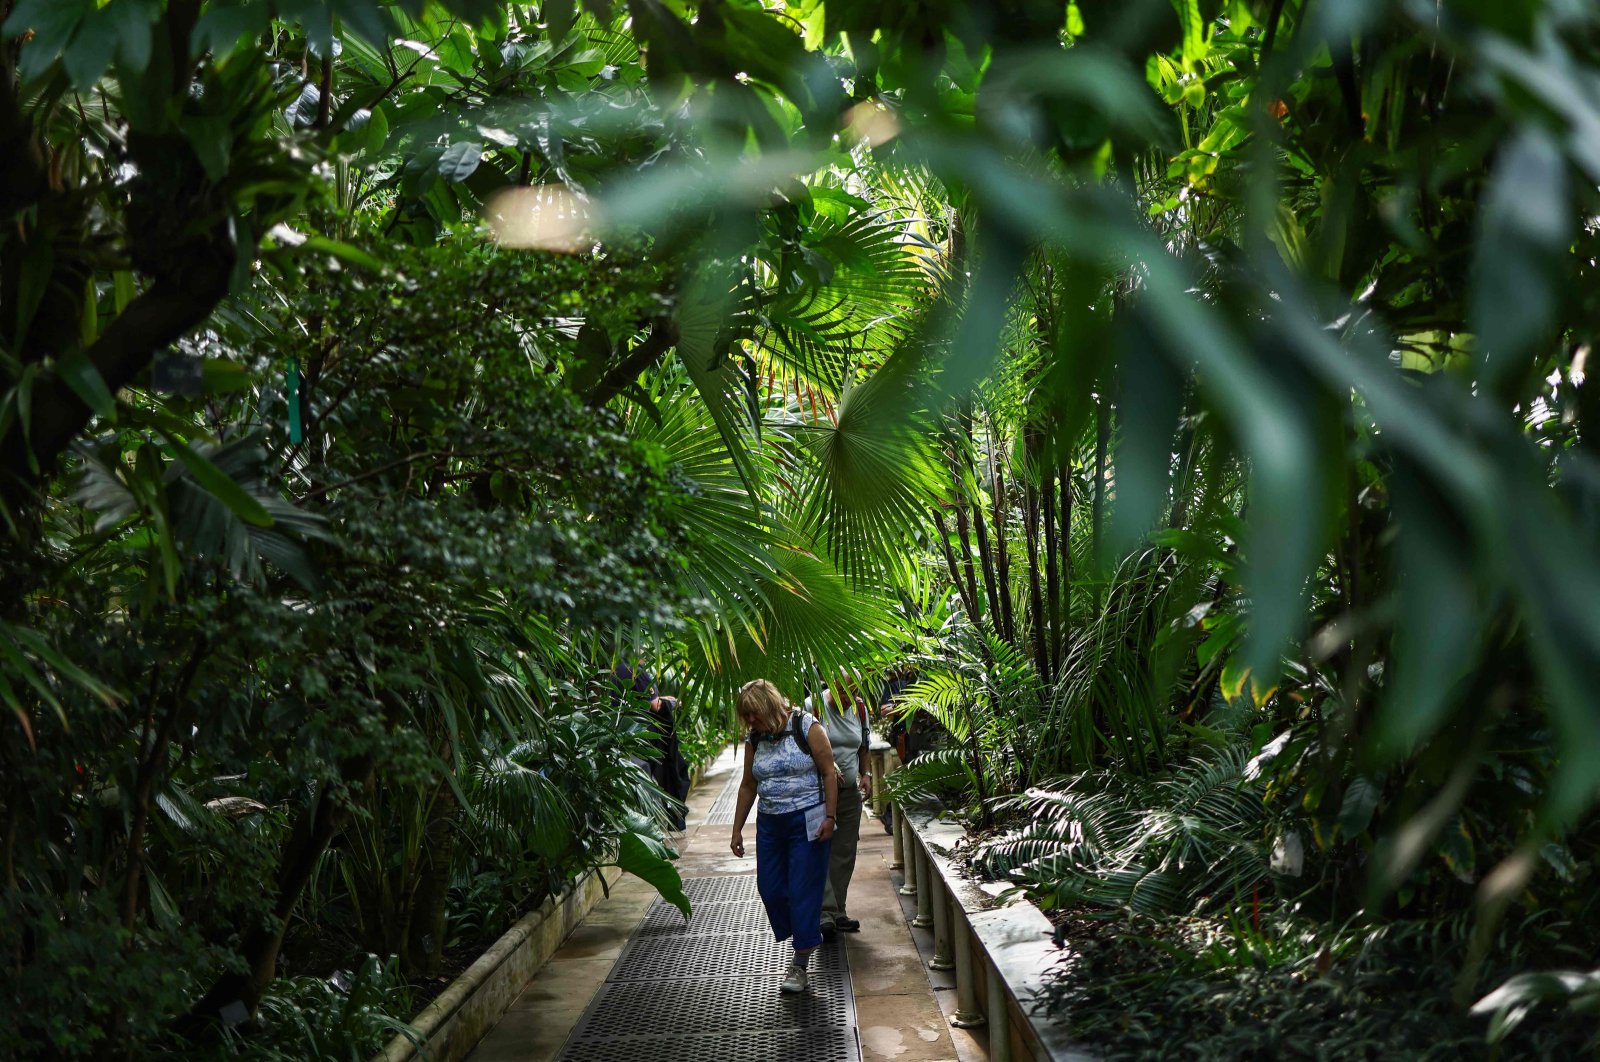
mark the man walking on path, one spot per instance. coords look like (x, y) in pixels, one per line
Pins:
(844, 717)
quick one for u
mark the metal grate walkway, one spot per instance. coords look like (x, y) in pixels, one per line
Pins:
(708, 989)
(721, 813)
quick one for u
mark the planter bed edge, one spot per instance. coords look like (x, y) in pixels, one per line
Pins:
(451, 1026)
(469, 1007)
(1014, 942)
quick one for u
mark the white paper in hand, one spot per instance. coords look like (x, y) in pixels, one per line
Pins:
(814, 816)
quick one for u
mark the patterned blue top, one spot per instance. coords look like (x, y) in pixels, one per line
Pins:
(786, 778)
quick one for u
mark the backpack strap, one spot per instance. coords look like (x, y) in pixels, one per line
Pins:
(799, 739)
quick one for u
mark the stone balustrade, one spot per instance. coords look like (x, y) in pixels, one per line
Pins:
(1000, 954)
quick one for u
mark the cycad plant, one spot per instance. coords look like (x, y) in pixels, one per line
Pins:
(1190, 839)
(984, 694)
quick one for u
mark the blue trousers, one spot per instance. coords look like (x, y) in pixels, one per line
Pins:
(791, 873)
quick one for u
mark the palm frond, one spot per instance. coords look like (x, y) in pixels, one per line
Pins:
(517, 804)
(939, 773)
(873, 471)
(728, 527)
(1162, 846)
(873, 286)
(811, 618)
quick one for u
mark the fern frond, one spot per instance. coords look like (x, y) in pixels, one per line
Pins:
(933, 774)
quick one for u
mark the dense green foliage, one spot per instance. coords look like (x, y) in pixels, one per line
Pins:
(1176, 988)
(1195, 390)
(399, 636)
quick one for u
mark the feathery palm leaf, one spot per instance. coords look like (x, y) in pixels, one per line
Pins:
(932, 775)
(1157, 847)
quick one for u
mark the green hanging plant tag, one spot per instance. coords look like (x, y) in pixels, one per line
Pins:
(296, 428)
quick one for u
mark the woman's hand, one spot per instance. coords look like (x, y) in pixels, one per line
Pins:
(826, 830)
(736, 845)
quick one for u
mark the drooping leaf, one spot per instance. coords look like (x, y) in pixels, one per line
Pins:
(218, 483)
(459, 161)
(647, 858)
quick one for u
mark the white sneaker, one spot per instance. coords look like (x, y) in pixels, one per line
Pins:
(795, 980)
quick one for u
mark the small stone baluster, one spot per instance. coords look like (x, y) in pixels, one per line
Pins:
(968, 1014)
(929, 885)
(999, 1019)
(941, 931)
(908, 848)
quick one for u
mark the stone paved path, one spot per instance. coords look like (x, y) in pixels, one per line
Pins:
(634, 984)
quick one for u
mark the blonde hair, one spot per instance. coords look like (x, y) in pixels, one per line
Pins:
(761, 700)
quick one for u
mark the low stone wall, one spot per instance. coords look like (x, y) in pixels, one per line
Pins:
(452, 1024)
(999, 953)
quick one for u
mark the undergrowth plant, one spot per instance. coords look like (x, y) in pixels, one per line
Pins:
(1138, 987)
(1191, 840)
(348, 1015)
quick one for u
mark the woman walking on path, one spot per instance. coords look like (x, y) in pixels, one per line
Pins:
(788, 764)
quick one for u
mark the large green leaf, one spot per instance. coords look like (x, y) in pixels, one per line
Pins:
(642, 853)
(874, 470)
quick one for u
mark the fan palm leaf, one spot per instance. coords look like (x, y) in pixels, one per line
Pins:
(814, 619)
(728, 526)
(771, 605)
(873, 286)
(873, 472)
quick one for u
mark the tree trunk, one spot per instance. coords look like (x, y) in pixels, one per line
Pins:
(236, 994)
(980, 782)
(1064, 484)
(1183, 486)
(1097, 516)
(1052, 569)
(965, 472)
(186, 244)
(425, 946)
(1030, 530)
(980, 527)
(968, 592)
(663, 337)
(1587, 400)
(964, 533)
(1002, 549)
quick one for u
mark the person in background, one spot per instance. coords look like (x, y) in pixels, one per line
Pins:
(903, 733)
(844, 716)
(789, 767)
(669, 768)
(895, 682)
(635, 686)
